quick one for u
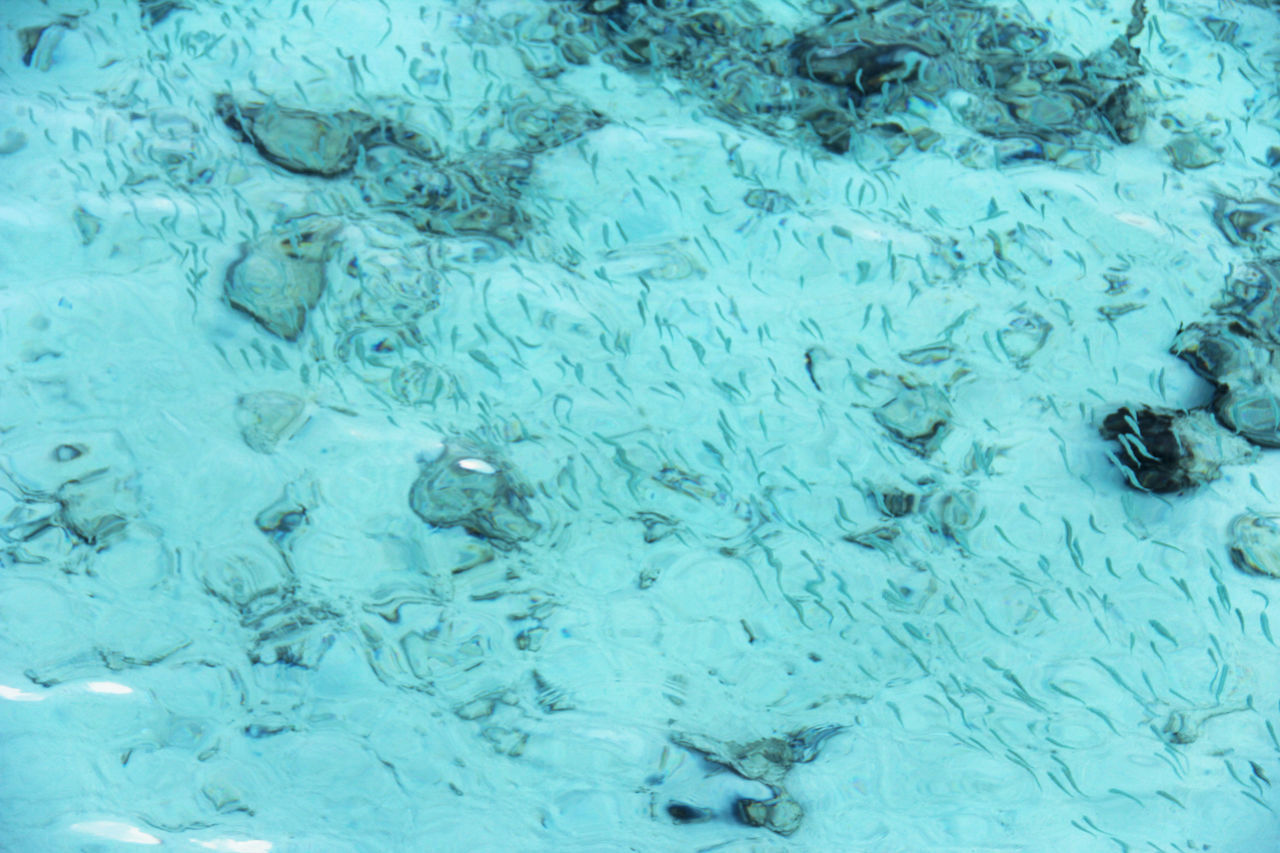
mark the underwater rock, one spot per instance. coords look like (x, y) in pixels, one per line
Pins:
(894, 503)
(780, 813)
(918, 417)
(656, 528)
(1247, 401)
(285, 633)
(478, 197)
(1168, 451)
(1252, 297)
(267, 417)
(391, 278)
(834, 129)
(1246, 222)
(681, 813)
(842, 76)
(87, 224)
(1191, 151)
(155, 11)
(461, 488)
(97, 508)
(1024, 336)
(241, 577)
(38, 43)
(768, 201)
(1255, 544)
(955, 513)
(1217, 350)
(540, 127)
(861, 68)
(417, 383)
(287, 514)
(302, 141)
(281, 277)
(83, 484)
(1125, 112)
(1251, 408)
(1180, 729)
(767, 760)
(172, 147)
(12, 142)
(879, 538)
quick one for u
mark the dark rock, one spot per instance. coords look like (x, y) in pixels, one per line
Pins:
(918, 417)
(1167, 451)
(38, 43)
(1215, 350)
(1246, 222)
(540, 127)
(895, 503)
(682, 814)
(155, 11)
(1255, 544)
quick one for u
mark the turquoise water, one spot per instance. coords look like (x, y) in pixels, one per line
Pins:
(589, 427)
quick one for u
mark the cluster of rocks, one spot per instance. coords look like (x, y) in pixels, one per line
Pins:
(79, 492)
(768, 761)
(1238, 351)
(465, 487)
(857, 71)
(406, 173)
(396, 172)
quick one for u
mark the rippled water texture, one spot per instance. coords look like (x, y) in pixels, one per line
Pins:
(601, 425)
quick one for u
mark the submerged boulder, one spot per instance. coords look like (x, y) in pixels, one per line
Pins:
(918, 417)
(304, 141)
(1245, 370)
(1216, 351)
(1125, 112)
(1167, 451)
(1251, 297)
(780, 813)
(278, 279)
(1251, 409)
(1255, 544)
(463, 488)
(767, 760)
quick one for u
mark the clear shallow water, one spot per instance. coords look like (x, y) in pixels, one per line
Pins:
(770, 472)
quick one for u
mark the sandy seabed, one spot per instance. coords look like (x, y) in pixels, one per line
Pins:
(800, 492)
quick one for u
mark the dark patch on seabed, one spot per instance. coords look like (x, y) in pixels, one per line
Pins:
(857, 71)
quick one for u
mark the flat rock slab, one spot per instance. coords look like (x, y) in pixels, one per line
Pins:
(278, 279)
